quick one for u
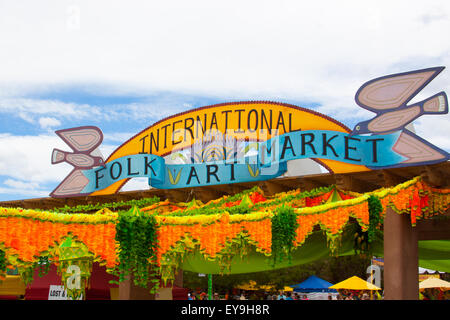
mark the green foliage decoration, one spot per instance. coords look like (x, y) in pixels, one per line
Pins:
(375, 219)
(243, 208)
(136, 233)
(291, 198)
(26, 273)
(3, 264)
(284, 226)
(25, 270)
(239, 246)
(43, 265)
(140, 203)
(363, 240)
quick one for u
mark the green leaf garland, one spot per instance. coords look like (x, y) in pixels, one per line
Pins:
(3, 264)
(140, 203)
(284, 226)
(136, 233)
(375, 220)
(362, 240)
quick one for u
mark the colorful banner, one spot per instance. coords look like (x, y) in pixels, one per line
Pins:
(254, 140)
(172, 176)
(370, 151)
(377, 151)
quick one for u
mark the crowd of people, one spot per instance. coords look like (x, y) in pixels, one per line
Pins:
(248, 295)
(429, 294)
(282, 295)
(359, 295)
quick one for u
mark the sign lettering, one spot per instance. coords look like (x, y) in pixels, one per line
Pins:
(253, 141)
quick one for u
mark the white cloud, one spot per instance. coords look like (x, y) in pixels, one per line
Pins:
(118, 137)
(30, 189)
(136, 184)
(27, 107)
(51, 112)
(28, 158)
(319, 52)
(435, 129)
(20, 184)
(27, 193)
(26, 162)
(26, 116)
(48, 122)
(287, 49)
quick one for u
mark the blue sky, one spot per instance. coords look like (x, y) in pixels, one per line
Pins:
(122, 65)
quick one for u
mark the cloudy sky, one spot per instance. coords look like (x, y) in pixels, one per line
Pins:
(122, 65)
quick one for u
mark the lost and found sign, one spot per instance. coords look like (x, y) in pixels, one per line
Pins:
(56, 292)
(254, 140)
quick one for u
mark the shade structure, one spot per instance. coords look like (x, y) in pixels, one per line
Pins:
(434, 283)
(354, 283)
(313, 284)
(251, 286)
(11, 287)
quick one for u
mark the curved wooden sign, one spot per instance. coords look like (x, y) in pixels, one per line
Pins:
(253, 140)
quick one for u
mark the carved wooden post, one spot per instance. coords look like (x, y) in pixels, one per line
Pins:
(178, 281)
(129, 291)
(401, 260)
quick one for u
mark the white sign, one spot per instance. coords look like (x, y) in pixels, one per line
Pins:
(375, 275)
(58, 293)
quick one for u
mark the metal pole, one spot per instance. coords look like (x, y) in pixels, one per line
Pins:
(371, 281)
(210, 288)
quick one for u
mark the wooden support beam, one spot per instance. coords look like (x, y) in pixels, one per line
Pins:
(176, 195)
(206, 194)
(435, 177)
(237, 188)
(127, 196)
(119, 197)
(129, 291)
(306, 184)
(348, 182)
(30, 203)
(100, 199)
(273, 187)
(433, 229)
(344, 182)
(178, 281)
(391, 179)
(224, 189)
(400, 258)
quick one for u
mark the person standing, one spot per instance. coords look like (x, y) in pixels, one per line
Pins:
(281, 296)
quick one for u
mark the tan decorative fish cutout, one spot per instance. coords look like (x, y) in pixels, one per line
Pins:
(388, 97)
(84, 142)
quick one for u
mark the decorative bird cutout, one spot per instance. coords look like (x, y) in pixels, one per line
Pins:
(84, 142)
(388, 97)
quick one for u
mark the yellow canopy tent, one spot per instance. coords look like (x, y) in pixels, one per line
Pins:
(434, 283)
(251, 286)
(12, 286)
(354, 283)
